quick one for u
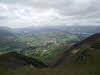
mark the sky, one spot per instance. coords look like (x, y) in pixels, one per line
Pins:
(23, 13)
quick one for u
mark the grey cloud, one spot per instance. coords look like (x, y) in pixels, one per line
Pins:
(19, 13)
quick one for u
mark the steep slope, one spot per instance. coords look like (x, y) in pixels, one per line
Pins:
(13, 60)
(73, 53)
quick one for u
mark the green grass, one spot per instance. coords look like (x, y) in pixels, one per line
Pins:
(76, 69)
(90, 66)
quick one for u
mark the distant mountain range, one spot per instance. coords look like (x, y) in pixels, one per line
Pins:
(70, 29)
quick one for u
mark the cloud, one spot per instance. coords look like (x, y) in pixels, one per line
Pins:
(21, 13)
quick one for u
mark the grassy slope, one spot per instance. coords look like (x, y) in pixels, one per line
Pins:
(89, 66)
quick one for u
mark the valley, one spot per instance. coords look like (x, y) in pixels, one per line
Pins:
(44, 43)
(58, 49)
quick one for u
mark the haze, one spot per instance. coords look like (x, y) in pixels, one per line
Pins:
(21, 13)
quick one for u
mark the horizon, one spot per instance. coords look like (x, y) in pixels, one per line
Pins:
(52, 26)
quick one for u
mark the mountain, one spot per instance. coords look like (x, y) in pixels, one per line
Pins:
(73, 54)
(83, 29)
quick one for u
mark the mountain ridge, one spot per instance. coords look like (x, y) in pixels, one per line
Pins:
(80, 47)
(13, 60)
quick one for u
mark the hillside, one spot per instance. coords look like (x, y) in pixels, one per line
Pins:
(8, 40)
(72, 54)
(13, 60)
(6, 34)
(89, 66)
